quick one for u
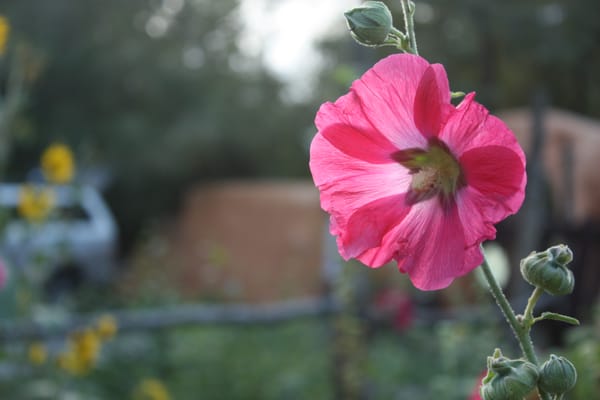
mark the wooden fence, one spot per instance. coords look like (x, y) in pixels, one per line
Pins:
(174, 316)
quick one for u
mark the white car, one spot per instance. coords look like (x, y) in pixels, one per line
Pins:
(76, 243)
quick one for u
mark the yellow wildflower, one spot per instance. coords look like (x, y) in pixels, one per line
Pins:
(35, 203)
(37, 353)
(4, 31)
(87, 347)
(82, 352)
(58, 164)
(68, 361)
(151, 389)
(106, 327)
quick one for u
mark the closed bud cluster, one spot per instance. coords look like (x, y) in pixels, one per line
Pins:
(548, 270)
(509, 379)
(557, 375)
(370, 23)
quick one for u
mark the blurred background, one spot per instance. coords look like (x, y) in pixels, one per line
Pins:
(187, 257)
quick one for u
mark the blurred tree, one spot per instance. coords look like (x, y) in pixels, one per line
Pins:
(504, 50)
(159, 92)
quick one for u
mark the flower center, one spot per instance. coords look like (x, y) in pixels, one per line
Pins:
(434, 171)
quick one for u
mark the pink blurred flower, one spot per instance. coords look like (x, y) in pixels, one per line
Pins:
(407, 176)
(397, 307)
(3, 273)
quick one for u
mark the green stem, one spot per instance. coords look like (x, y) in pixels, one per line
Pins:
(410, 26)
(398, 39)
(399, 34)
(528, 314)
(517, 328)
(520, 330)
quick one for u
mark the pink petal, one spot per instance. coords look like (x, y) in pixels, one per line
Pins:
(493, 165)
(346, 110)
(471, 126)
(491, 193)
(387, 95)
(347, 183)
(432, 101)
(367, 227)
(344, 125)
(386, 250)
(477, 215)
(434, 250)
(498, 174)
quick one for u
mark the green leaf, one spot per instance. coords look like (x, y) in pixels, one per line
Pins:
(557, 317)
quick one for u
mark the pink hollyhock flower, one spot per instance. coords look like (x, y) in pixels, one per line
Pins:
(407, 176)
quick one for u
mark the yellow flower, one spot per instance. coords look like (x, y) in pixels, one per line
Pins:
(68, 361)
(58, 164)
(86, 345)
(151, 389)
(35, 203)
(106, 327)
(37, 353)
(82, 352)
(4, 31)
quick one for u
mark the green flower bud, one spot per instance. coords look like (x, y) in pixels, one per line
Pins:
(562, 254)
(557, 375)
(548, 270)
(509, 379)
(370, 23)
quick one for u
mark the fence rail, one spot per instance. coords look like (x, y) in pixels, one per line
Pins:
(180, 315)
(223, 314)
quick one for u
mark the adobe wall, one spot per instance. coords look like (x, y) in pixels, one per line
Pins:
(249, 241)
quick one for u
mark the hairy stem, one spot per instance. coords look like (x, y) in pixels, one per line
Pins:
(409, 23)
(528, 314)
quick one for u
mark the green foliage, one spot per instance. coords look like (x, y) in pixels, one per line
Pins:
(440, 361)
(291, 361)
(208, 362)
(583, 350)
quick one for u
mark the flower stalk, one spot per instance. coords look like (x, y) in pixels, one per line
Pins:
(521, 326)
(434, 173)
(408, 10)
(528, 319)
(517, 327)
